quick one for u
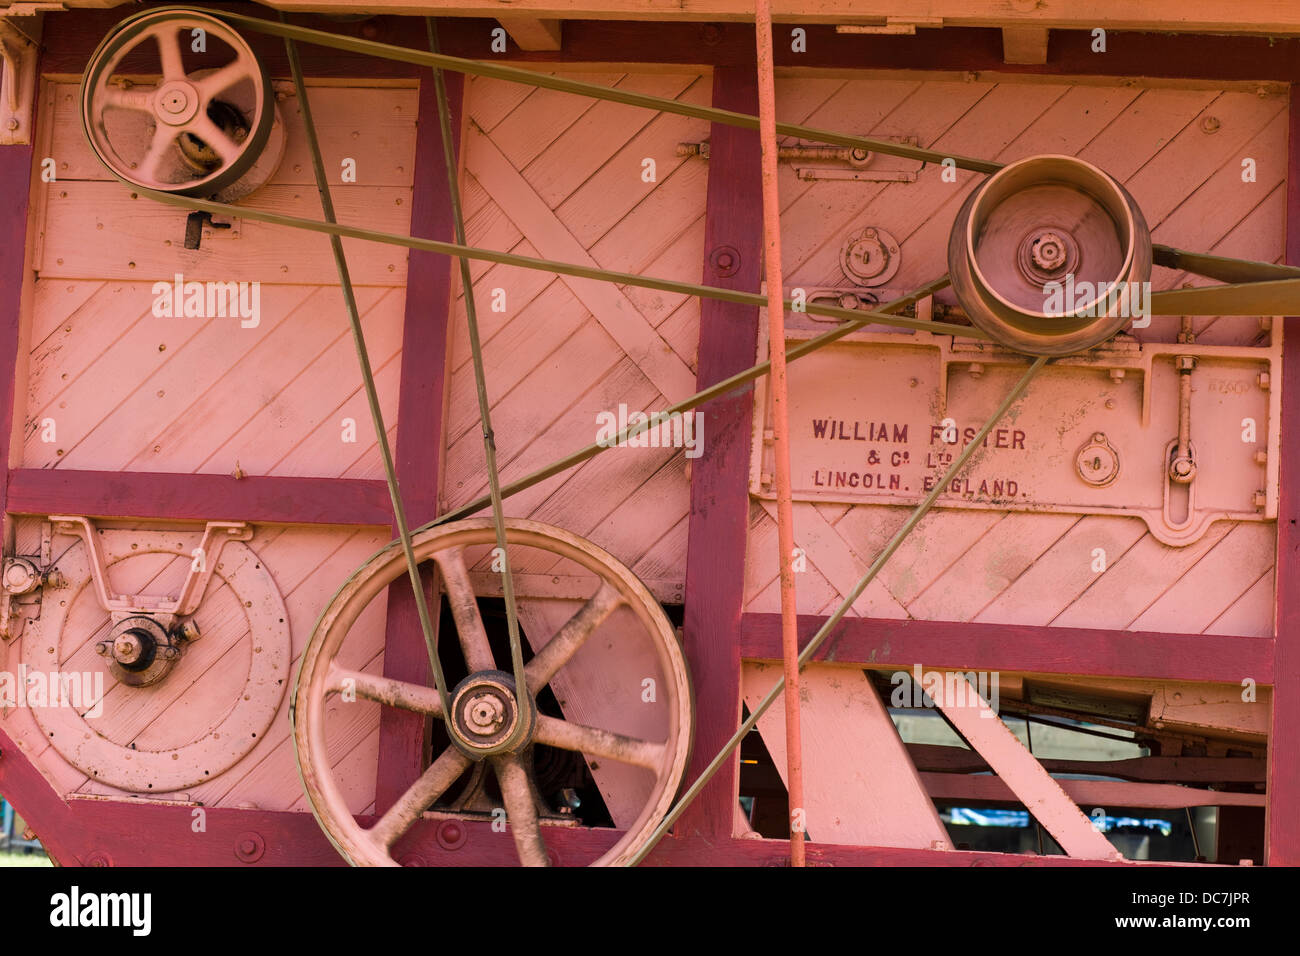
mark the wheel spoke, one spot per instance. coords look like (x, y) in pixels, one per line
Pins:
(163, 138)
(214, 136)
(384, 690)
(442, 773)
(569, 638)
(521, 810)
(169, 51)
(139, 100)
(594, 742)
(222, 80)
(464, 608)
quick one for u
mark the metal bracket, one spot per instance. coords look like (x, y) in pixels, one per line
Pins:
(845, 163)
(23, 580)
(197, 223)
(166, 611)
(19, 49)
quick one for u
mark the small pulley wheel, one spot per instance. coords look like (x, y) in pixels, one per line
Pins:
(1050, 256)
(203, 122)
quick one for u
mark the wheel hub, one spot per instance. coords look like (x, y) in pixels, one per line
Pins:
(176, 103)
(488, 716)
(1048, 254)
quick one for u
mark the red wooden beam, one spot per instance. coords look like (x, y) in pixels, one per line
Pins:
(92, 832)
(1282, 844)
(403, 735)
(719, 523)
(874, 642)
(72, 37)
(180, 497)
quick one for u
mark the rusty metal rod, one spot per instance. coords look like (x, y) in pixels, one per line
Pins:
(780, 423)
(829, 624)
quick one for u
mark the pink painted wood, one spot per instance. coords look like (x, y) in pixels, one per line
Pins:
(122, 494)
(1021, 648)
(403, 735)
(719, 494)
(715, 635)
(1282, 844)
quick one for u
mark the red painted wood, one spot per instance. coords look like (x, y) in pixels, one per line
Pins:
(108, 833)
(71, 39)
(403, 735)
(124, 494)
(37, 803)
(1012, 647)
(15, 173)
(719, 523)
(1283, 811)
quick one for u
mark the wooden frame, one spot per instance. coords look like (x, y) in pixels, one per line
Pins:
(717, 634)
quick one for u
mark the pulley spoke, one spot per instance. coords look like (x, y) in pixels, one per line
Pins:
(222, 80)
(163, 138)
(433, 783)
(384, 690)
(570, 638)
(215, 137)
(594, 742)
(139, 100)
(521, 810)
(464, 608)
(169, 51)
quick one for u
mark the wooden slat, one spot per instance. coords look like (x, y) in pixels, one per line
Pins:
(610, 307)
(1021, 648)
(719, 498)
(1260, 16)
(864, 789)
(1282, 817)
(198, 497)
(148, 238)
(1016, 767)
(403, 736)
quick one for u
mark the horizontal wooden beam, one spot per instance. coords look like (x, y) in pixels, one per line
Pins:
(1013, 648)
(177, 497)
(1090, 793)
(530, 33)
(1186, 16)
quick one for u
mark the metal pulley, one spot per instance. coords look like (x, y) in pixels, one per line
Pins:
(1050, 256)
(207, 126)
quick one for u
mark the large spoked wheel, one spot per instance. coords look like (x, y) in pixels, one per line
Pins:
(205, 122)
(486, 707)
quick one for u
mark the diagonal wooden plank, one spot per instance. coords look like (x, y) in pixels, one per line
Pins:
(612, 309)
(864, 790)
(1016, 766)
(837, 559)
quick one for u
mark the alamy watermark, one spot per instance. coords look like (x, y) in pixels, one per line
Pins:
(82, 690)
(1093, 299)
(918, 688)
(675, 430)
(208, 300)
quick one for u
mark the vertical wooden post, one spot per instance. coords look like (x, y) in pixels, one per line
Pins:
(403, 736)
(715, 565)
(1282, 846)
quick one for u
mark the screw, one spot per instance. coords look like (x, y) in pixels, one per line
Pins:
(1211, 124)
(13, 122)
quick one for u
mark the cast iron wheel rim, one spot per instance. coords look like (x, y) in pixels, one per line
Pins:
(318, 678)
(194, 94)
